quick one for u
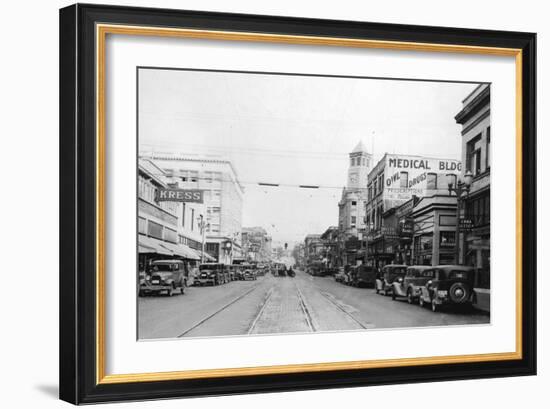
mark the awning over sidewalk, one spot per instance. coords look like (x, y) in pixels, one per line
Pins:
(181, 250)
(153, 246)
(207, 257)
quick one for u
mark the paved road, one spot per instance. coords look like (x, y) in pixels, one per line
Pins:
(284, 305)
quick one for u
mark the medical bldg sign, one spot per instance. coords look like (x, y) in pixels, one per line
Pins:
(405, 176)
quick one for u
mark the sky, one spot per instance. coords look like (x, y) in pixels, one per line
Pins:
(295, 130)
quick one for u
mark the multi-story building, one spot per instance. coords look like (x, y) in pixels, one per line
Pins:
(476, 155)
(395, 180)
(331, 247)
(162, 227)
(256, 244)
(351, 208)
(314, 247)
(223, 198)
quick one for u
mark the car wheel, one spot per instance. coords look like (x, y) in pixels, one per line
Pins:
(393, 295)
(410, 299)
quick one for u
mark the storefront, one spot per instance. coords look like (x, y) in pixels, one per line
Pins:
(434, 237)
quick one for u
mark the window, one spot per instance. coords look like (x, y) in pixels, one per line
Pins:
(473, 155)
(403, 179)
(352, 161)
(431, 183)
(183, 214)
(447, 239)
(478, 210)
(488, 150)
(380, 183)
(375, 184)
(353, 220)
(451, 180)
(370, 192)
(353, 203)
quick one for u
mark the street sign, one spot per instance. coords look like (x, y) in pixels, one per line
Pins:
(180, 195)
(465, 224)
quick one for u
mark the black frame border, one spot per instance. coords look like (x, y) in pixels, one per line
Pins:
(78, 197)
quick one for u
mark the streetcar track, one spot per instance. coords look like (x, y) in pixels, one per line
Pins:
(260, 312)
(357, 321)
(305, 310)
(217, 312)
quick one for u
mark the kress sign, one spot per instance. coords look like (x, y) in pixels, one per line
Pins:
(180, 195)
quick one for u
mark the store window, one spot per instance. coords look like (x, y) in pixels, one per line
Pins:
(478, 210)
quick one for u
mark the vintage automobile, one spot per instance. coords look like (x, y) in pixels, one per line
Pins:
(165, 276)
(365, 276)
(409, 285)
(249, 274)
(388, 275)
(340, 276)
(213, 274)
(350, 275)
(451, 284)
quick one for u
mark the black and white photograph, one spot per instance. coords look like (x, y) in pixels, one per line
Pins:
(281, 203)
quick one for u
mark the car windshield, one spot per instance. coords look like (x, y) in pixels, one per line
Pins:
(210, 267)
(165, 267)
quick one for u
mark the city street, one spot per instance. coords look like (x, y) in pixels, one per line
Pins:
(284, 305)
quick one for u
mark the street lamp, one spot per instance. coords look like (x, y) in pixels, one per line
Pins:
(203, 225)
(461, 187)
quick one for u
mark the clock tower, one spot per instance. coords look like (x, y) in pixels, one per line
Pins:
(359, 167)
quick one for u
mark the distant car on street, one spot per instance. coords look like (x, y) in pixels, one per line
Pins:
(213, 274)
(340, 276)
(166, 276)
(409, 285)
(450, 285)
(249, 275)
(388, 275)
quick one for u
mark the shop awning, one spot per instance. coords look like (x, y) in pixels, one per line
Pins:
(153, 246)
(207, 257)
(142, 249)
(181, 250)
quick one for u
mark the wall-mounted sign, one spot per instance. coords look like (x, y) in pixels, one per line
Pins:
(180, 195)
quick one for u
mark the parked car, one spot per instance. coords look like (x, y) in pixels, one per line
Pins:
(350, 275)
(165, 276)
(409, 285)
(365, 276)
(213, 274)
(388, 275)
(450, 284)
(340, 276)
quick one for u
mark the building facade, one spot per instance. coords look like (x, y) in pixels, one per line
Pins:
(351, 207)
(313, 248)
(394, 181)
(476, 155)
(223, 198)
(162, 231)
(256, 244)
(434, 233)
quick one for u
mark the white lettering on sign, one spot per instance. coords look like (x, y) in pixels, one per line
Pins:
(180, 195)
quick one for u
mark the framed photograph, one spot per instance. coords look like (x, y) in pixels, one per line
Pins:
(257, 203)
